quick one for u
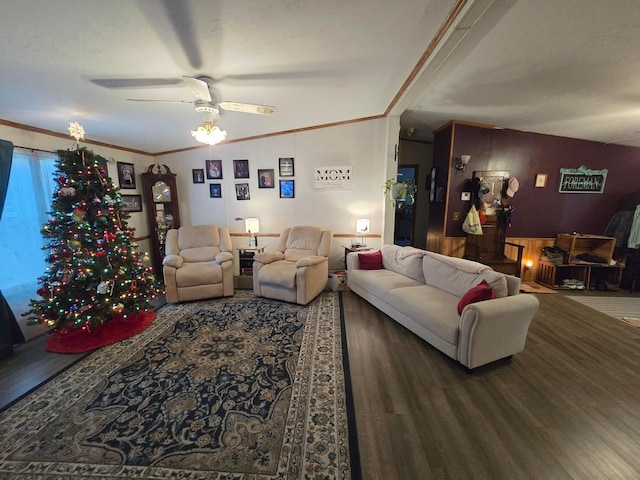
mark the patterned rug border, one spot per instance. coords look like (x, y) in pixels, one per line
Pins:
(90, 370)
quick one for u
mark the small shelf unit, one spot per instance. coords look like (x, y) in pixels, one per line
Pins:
(594, 275)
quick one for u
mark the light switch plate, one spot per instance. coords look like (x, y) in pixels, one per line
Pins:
(465, 196)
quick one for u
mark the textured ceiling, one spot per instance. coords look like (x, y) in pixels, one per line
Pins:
(560, 67)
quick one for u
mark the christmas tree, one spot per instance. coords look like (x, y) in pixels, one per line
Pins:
(95, 271)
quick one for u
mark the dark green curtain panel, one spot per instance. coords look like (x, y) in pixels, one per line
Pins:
(10, 333)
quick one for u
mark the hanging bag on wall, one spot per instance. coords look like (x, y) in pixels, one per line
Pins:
(471, 224)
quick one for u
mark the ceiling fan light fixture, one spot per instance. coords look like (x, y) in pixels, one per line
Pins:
(209, 133)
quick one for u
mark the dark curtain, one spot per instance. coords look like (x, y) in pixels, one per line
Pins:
(10, 333)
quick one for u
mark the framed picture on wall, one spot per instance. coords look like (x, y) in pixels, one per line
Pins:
(287, 189)
(241, 168)
(286, 167)
(242, 191)
(126, 175)
(215, 190)
(214, 169)
(266, 178)
(132, 203)
(198, 175)
(541, 180)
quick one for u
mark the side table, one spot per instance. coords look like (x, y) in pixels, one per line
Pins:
(353, 248)
(245, 256)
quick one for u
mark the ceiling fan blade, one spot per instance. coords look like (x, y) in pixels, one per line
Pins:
(134, 82)
(200, 88)
(157, 101)
(248, 108)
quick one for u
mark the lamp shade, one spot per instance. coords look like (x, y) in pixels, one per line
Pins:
(252, 225)
(362, 226)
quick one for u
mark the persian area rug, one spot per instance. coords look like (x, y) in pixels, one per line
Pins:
(621, 308)
(235, 388)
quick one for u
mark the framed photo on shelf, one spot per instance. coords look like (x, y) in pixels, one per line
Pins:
(266, 178)
(241, 169)
(215, 190)
(287, 189)
(132, 203)
(541, 180)
(286, 167)
(126, 175)
(197, 175)
(242, 191)
(214, 169)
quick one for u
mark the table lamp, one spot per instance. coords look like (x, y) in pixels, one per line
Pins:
(362, 228)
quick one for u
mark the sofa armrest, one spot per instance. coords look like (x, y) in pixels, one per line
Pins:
(224, 257)
(268, 257)
(175, 261)
(494, 329)
(310, 261)
(353, 261)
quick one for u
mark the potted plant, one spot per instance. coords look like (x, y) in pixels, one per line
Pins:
(400, 193)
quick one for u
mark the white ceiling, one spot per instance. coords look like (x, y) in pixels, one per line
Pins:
(562, 67)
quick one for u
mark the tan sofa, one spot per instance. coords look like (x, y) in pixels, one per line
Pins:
(421, 291)
(198, 263)
(298, 270)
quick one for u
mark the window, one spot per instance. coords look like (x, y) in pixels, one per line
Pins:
(29, 195)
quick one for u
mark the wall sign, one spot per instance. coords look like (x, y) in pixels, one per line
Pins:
(582, 180)
(332, 178)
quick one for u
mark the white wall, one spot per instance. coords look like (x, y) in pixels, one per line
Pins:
(362, 145)
(365, 146)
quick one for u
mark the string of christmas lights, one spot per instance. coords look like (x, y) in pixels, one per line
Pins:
(95, 270)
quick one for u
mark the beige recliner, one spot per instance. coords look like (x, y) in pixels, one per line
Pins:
(298, 270)
(198, 263)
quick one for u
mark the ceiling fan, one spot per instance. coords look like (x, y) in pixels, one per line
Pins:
(209, 132)
(200, 86)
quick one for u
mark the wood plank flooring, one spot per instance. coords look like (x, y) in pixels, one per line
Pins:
(568, 407)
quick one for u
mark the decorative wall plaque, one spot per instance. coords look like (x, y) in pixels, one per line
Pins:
(582, 180)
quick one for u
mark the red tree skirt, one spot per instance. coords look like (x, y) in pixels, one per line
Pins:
(118, 328)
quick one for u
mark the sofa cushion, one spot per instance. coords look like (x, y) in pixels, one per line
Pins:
(432, 308)
(480, 292)
(198, 236)
(199, 254)
(457, 275)
(404, 260)
(201, 273)
(379, 282)
(370, 261)
(282, 272)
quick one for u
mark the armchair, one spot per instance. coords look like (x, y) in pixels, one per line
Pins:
(198, 263)
(298, 270)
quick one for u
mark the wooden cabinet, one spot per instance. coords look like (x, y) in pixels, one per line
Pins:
(600, 275)
(161, 198)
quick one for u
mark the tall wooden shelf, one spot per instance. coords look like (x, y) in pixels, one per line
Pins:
(593, 274)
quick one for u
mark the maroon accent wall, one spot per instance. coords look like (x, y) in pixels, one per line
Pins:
(540, 212)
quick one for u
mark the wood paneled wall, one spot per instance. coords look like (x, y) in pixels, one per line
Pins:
(454, 247)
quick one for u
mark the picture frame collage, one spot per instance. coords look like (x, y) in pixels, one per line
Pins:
(266, 177)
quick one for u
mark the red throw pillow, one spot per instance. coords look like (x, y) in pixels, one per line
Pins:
(480, 292)
(370, 261)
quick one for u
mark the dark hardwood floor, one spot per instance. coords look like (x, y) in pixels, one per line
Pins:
(568, 407)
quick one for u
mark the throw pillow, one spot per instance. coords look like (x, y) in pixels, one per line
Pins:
(370, 261)
(480, 292)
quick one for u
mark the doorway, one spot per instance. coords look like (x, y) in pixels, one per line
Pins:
(404, 227)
